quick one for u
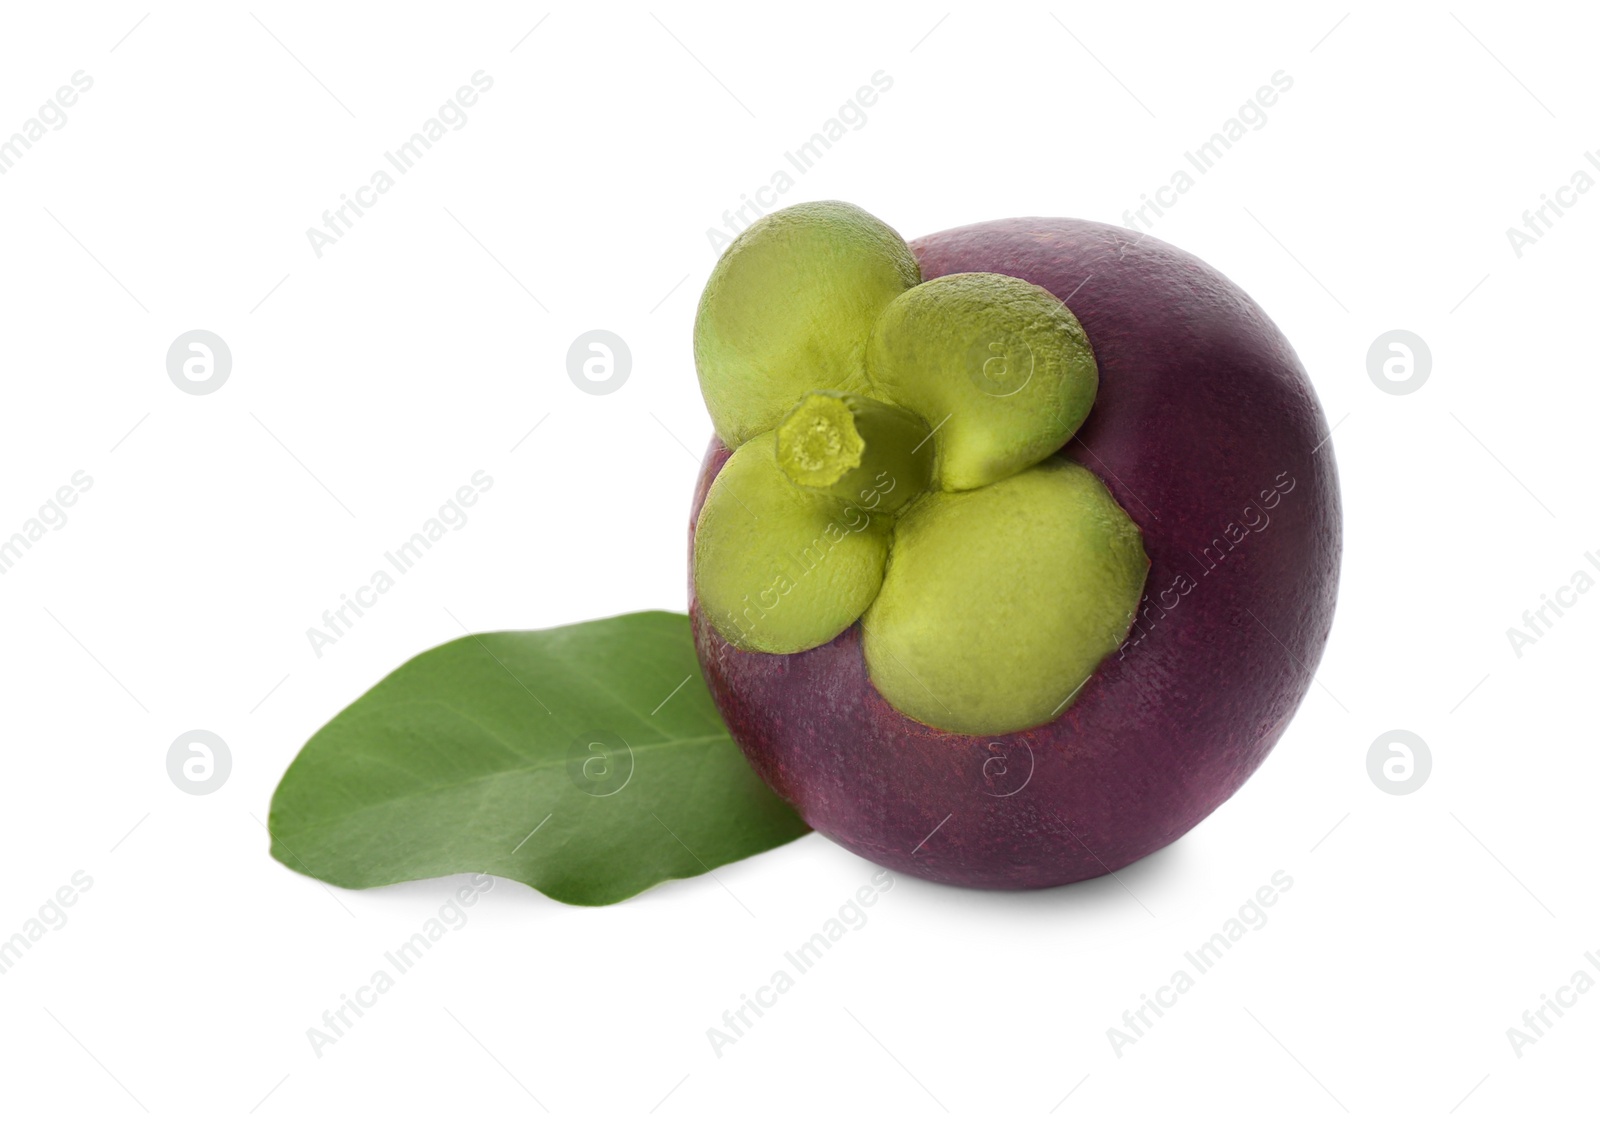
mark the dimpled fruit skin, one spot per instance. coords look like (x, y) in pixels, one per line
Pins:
(1202, 405)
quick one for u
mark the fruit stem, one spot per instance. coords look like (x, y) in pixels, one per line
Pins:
(858, 449)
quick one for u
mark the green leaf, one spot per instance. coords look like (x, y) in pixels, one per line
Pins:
(586, 761)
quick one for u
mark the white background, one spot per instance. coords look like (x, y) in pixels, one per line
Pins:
(370, 383)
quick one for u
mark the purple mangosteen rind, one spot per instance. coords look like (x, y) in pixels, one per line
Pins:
(1207, 432)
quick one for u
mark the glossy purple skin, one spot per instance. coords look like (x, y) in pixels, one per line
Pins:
(1202, 405)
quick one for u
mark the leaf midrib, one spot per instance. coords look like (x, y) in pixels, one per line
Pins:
(585, 675)
(525, 767)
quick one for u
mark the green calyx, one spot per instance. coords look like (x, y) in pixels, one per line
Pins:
(857, 449)
(892, 464)
(779, 567)
(1000, 363)
(788, 309)
(1037, 578)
